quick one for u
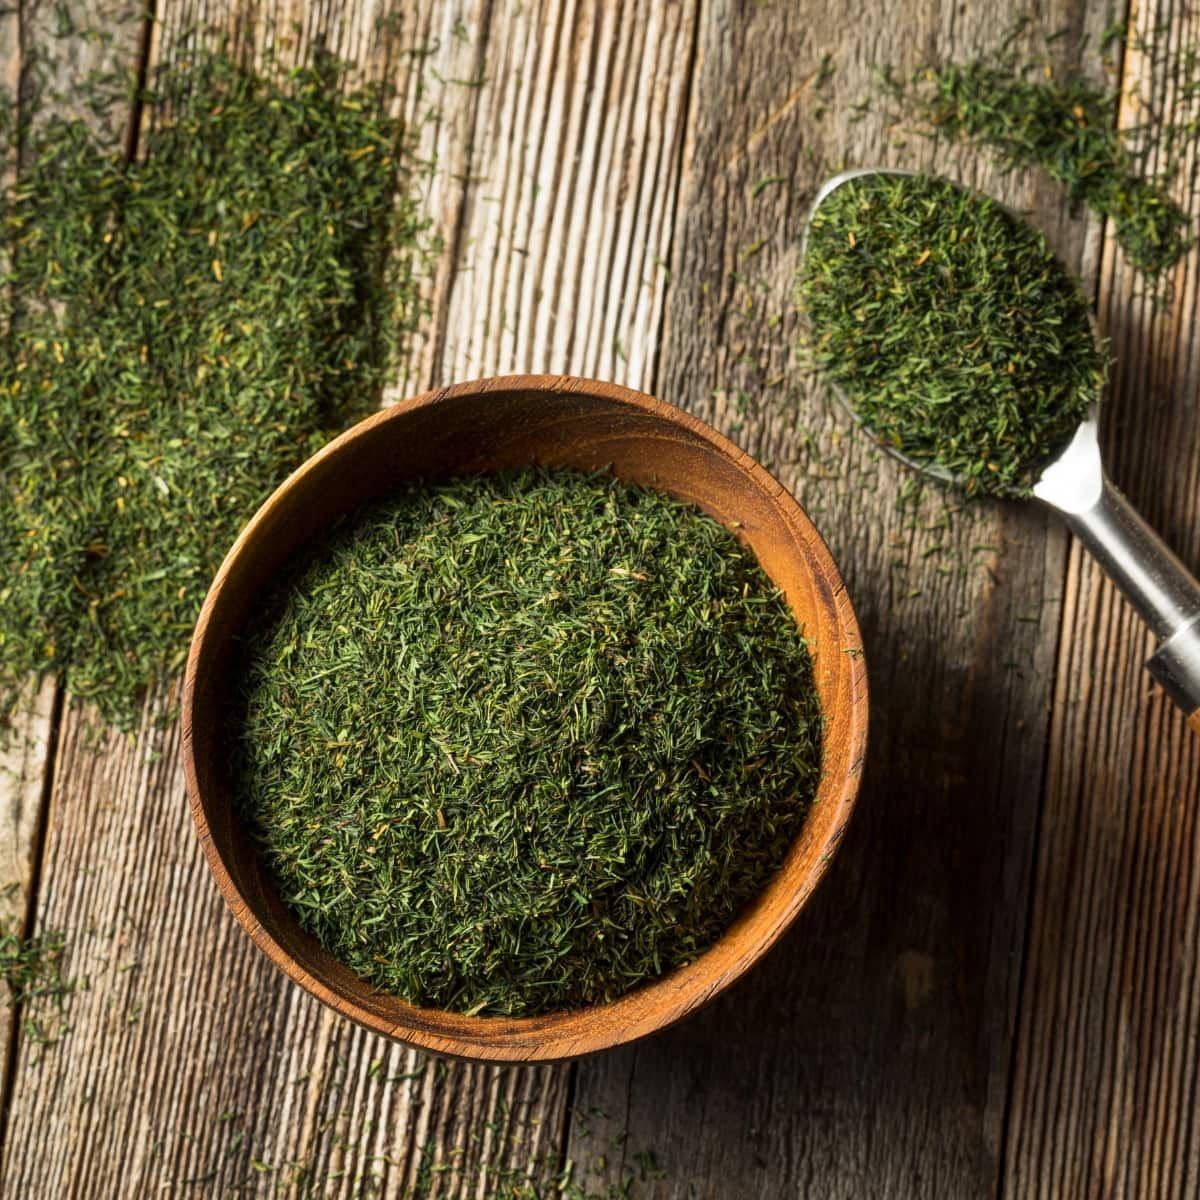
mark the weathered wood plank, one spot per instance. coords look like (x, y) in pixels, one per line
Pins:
(200, 1062)
(72, 53)
(25, 754)
(1106, 1073)
(25, 747)
(869, 1056)
(38, 60)
(568, 222)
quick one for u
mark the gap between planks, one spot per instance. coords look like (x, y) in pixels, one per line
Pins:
(28, 761)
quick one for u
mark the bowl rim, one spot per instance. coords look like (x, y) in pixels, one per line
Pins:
(570, 1033)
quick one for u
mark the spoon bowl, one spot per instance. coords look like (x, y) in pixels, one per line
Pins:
(928, 467)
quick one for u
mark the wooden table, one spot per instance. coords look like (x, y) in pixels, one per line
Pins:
(997, 989)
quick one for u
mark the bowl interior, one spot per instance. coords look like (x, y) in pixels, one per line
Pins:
(489, 426)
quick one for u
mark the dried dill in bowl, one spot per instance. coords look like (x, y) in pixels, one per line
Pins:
(517, 743)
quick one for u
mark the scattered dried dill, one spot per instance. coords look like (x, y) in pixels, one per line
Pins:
(31, 966)
(955, 334)
(186, 329)
(1036, 111)
(518, 743)
(32, 969)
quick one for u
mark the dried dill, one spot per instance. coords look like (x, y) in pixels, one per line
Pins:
(185, 330)
(1035, 111)
(32, 968)
(953, 331)
(518, 743)
(505, 1170)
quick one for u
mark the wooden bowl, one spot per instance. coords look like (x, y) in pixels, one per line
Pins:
(485, 426)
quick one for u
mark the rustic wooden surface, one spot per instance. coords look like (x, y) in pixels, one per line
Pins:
(1106, 1072)
(996, 990)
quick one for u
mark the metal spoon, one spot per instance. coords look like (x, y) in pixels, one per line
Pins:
(1140, 563)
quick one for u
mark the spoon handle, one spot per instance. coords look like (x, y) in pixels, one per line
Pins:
(1176, 665)
(1158, 585)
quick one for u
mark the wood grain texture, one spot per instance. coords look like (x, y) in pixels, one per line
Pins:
(25, 747)
(71, 52)
(25, 754)
(38, 62)
(1106, 1074)
(567, 226)
(869, 1054)
(225, 1065)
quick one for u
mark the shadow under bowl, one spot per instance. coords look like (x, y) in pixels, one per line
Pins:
(486, 426)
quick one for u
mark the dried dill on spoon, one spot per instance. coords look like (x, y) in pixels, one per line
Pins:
(518, 743)
(954, 333)
(184, 331)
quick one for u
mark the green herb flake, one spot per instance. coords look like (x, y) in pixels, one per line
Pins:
(32, 966)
